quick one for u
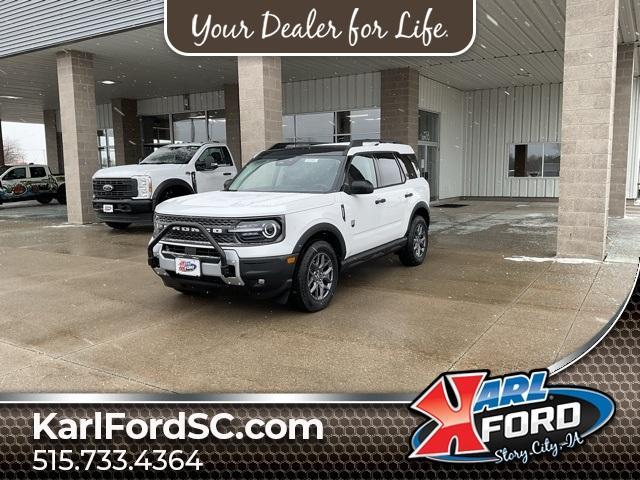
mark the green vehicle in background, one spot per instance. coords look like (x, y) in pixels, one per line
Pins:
(31, 182)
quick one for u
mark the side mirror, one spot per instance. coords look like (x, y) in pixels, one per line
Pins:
(227, 184)
(360, 187)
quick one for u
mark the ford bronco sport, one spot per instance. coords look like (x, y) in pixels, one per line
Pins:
(293, 219)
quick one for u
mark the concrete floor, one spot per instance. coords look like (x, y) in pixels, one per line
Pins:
(81, 311)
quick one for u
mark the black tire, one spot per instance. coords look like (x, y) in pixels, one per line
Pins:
(415, 251)
(316, 277)
(118, 225)
(61, 196)
(44, 199)
(171, 192)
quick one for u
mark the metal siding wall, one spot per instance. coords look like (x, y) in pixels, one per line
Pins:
(104, 116)
(497, 118)
(633, 163)
(331, 94)
(175, 103)
(449, 103)
(31, 25)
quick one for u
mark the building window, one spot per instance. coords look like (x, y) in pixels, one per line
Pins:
(534, 160)
(155, 131)
(428, 127)
(106, 148)
(217, 126)
(342, 126)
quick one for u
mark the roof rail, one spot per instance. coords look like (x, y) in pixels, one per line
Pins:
(360, 143)
(283, 145)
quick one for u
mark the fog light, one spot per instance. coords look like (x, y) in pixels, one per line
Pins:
(261, 281)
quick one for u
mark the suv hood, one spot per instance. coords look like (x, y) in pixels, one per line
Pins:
(127, 171)
(243, 204)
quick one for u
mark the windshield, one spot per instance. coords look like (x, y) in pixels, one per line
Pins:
(307, 173)
(174, 155)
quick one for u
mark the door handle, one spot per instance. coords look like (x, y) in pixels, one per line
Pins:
(381, 200)
(226, 173)
(408, 195)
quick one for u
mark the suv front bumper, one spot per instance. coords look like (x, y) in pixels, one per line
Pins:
(267, 276)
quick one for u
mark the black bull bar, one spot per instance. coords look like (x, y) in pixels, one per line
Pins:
(155, 262)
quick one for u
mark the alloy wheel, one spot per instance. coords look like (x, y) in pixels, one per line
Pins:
(320, 276)
(420, 240)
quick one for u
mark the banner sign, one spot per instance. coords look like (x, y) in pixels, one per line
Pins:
(332, 27)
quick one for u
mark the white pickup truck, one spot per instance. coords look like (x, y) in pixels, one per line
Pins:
(129, 194)
(31, 182)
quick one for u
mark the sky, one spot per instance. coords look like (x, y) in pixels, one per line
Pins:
(29, 137)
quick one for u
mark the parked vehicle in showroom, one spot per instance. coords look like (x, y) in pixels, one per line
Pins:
(293, 219)
(20, 183)
(129, 193)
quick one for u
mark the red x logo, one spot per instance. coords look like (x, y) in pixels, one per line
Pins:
(452, 422)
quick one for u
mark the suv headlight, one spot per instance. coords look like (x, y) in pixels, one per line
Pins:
(258, 231)
(145, 188)
(157, 226)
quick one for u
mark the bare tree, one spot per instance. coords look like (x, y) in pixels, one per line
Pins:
(13, 153)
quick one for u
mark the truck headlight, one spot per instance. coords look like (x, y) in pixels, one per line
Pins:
(145, 188)
(258, 231)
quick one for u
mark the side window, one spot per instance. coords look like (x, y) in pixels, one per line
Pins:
(362, 168)
(388, 170)
(37, 172)
(215, 155)
(408, 164)
(16, 174)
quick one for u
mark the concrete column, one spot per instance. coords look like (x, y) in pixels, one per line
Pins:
(76, 85)
(399, 106)
(587, 127)
(621, 126)
(260, 100)
(232, 118)
(51, 140)
(124, 113)
(1, 147)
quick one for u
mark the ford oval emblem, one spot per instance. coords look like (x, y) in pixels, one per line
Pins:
(107, 188)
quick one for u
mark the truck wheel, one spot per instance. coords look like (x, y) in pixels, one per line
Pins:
(118, 225)
(61, 196)
(44, 199)
(316, 278)
(415, 251)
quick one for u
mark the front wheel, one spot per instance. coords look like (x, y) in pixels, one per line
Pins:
(316, 277)
(415, 251)
(118, 225)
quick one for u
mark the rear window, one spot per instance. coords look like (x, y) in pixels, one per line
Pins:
(408, 164)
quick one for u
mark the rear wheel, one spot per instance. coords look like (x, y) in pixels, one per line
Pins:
(118, 225)
(171, 192)
(415, 251)
(44, 199)
(61, 196)
(316, 278)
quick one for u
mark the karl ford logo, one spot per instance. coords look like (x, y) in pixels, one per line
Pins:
(330, 27)
(107, 188)
(473, 418)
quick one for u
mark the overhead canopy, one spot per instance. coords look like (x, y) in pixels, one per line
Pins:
(517, 43)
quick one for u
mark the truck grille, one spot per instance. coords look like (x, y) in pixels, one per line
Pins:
(116, 188)
(187, 235)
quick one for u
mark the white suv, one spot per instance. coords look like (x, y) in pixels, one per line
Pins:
(293, 219)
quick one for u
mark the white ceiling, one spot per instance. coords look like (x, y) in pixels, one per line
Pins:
(518, 43)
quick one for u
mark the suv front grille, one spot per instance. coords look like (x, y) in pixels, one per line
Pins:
(116, 188)
(188, 235)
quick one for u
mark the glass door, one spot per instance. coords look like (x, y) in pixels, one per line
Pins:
(429, 149)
